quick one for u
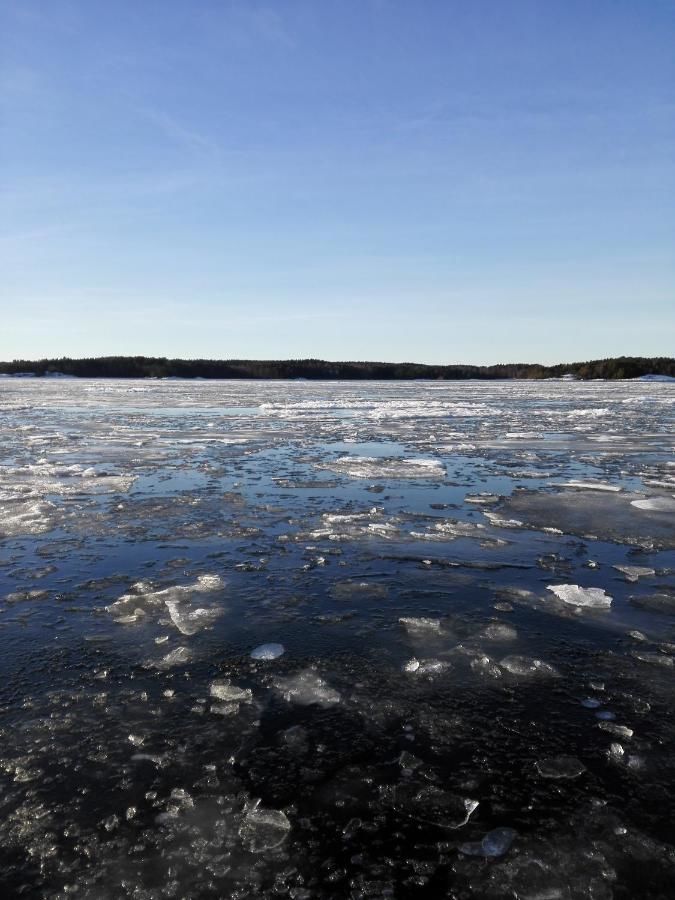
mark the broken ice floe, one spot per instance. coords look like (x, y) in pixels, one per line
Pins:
(307, 688)
(263, 829)
(143, 601)
(433, 805)
(527, 666)
(181, 656)
(426, 666)
(223, 689)
(381, 467)
(268, 651)
(633, 573)
(420, 625)
(591, 598)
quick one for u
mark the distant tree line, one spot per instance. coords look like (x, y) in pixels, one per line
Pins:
(318, 369)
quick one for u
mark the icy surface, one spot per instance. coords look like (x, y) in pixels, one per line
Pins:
(316, 640)
(594, 598)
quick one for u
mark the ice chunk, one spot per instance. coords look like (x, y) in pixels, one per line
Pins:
(263, 829)
(379, 467)
(420, 624)
(178, 657)
(225, 690)
(656, 504)
(619, 730)
(592, 598)
(433, 805)
(497, 631)
(560, 767)
(495, 843)
(190, 621)
(307, 688)
(632, 573)
(268, 651)
(655, 659)
(524, 665)
(590, 485)
(224, 709)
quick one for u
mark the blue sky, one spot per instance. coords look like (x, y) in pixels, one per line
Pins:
(442, 181)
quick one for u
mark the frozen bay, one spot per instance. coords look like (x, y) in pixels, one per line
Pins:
(300, 639)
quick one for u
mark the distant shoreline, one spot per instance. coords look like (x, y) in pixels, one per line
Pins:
(616, 368)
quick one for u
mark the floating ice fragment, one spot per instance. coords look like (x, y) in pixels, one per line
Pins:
(591, 598)
(188, 621)
(619, 730)
(307, 688)
(656, 504)
(560, 767)
(178, 657)
(655, 659)
(632, 573)
(263, 829)
(497, 631)
(224, 690)
(524, 665)
(224, 709)
(637, 635)
(383, 467)
(495, 843)
(590, 486)
(268, 651)
(422, 623)
(433, 805)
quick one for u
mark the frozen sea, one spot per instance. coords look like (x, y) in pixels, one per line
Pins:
(337, 640)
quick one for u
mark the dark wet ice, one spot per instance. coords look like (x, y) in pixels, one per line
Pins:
(360, 640)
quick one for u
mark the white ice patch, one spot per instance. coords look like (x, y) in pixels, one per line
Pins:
(632, 573)
(656, 504)
(420, 625)
(268, 651)
(307, 688)
(386, 467)
(591, 598)
(143, 601)
(527, 667)
(263, 829)
(223, 689)
(589, 485)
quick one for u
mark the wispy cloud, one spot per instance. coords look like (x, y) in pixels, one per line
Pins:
(179, 133)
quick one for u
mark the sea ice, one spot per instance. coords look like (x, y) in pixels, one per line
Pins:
(190, 621)
(633, 573)
(224, 690)
(178, 657)
(656, 504)
(268, 651)
(420, 624)
(433, 805)
(263, 829)
(307, 688)
(380, 467)
(524, 665)
(591, 598)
